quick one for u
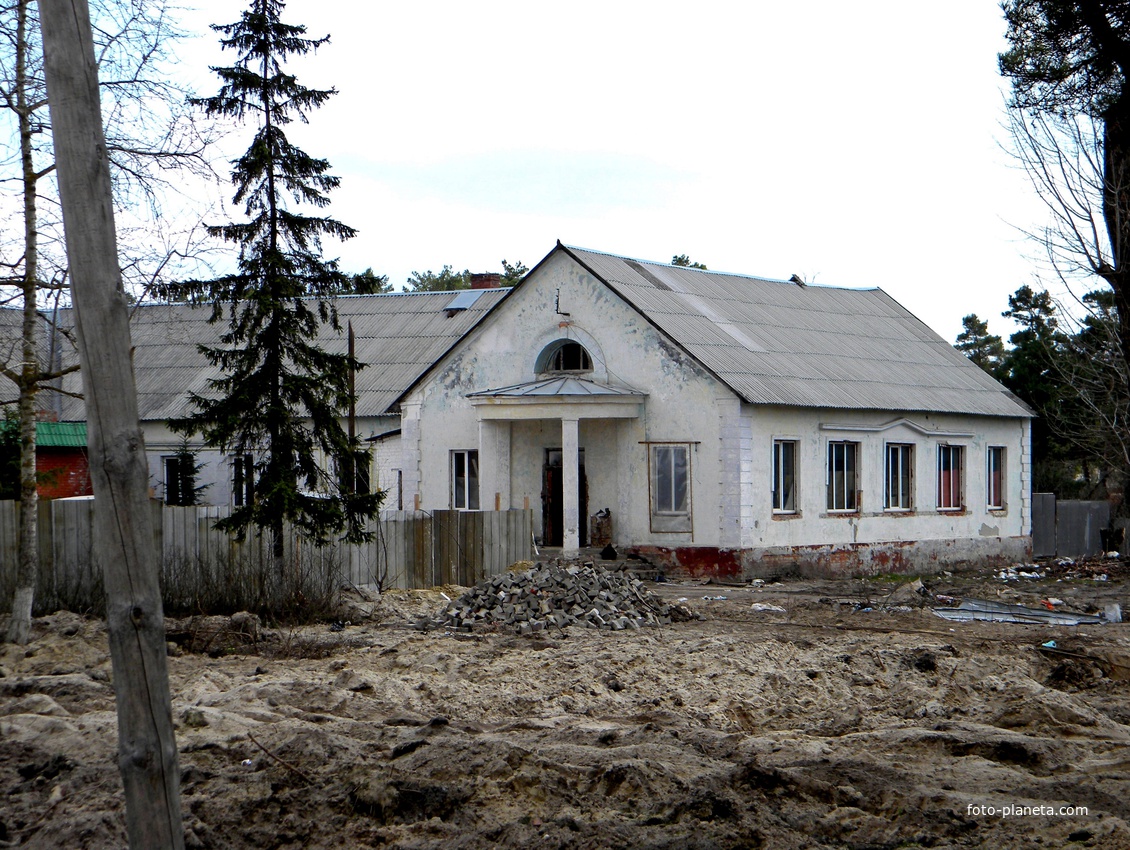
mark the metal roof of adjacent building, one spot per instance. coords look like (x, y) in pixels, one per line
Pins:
(783, 343)
(60, 435)
(397, 335)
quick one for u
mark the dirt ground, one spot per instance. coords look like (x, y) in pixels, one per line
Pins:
(854, 717)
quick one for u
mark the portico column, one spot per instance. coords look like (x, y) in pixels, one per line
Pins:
(570, 485)
(494, 466)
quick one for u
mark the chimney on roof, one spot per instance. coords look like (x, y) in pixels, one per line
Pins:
(486, 280)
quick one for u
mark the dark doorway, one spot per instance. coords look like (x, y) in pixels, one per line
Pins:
(553, 502)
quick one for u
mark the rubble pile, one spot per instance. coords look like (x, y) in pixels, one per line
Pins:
(557, 596)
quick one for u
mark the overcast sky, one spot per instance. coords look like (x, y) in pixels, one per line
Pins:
(855, 144)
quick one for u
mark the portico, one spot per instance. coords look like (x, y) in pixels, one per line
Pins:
(563, 400)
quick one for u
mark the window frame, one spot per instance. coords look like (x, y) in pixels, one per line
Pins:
(852, 495)
(1000, 503)
(950, 497)
(552, 359)
(362, 484)
(901, 502)
(784, 478)
(170, 466)
(243, 480)
(468, 491)
(674, 514)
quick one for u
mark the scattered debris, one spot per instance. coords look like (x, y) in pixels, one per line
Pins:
(1004, 612)
(1028, 571)
(766, 607)
(557, 596)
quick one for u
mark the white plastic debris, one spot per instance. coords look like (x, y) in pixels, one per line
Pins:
(763, 607)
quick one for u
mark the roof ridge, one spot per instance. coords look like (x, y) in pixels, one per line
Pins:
(717, 272)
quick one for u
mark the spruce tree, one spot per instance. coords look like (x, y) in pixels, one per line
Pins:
(280, 395)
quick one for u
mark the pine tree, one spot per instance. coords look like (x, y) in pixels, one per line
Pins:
(280, 395)
(980, 346)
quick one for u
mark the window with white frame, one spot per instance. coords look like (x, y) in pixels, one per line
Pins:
(243, 480)
(995, 478)
(465, 479)
(950, 477)
(670, 465)
(784, 476)
(843, 476)
(180, 480)
(899, 488)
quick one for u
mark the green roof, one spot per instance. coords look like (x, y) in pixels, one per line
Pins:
(57, 435)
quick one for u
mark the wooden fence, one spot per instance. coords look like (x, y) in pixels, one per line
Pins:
(205, 569)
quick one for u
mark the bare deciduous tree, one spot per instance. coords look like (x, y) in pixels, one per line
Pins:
(152, 135)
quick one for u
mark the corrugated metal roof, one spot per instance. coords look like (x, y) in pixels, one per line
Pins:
(397, 335)
(775, 342)
(60, 435)
(772, 342)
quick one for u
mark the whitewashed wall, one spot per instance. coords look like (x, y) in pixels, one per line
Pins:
(814, 525)
(685, 403)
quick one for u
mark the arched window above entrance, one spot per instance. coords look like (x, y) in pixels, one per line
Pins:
(564, 355)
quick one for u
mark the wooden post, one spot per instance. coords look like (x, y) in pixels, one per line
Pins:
(122, 536)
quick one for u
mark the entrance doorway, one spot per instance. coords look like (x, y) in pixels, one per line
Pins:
(553, 502)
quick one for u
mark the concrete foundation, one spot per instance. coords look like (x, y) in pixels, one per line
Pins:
(836, 561)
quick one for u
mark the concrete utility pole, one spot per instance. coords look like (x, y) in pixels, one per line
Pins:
(122, 537)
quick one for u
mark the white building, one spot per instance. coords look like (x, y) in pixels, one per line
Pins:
(729, 424)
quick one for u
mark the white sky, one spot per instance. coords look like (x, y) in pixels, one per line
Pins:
(857, 144)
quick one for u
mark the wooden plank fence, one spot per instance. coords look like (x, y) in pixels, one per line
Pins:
(204, 569)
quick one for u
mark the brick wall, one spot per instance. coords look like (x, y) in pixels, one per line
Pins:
(63, 473)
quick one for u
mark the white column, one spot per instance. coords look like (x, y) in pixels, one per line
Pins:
(410, 460)
(570, 485)
(494, 465)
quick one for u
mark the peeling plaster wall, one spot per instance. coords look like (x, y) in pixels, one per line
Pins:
(685, 404)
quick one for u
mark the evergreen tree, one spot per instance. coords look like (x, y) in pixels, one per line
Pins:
(445, 280)
(980, 346)
(280, 394)
(369, 282)
(512, 273)
(685, 262)
(1069, 64)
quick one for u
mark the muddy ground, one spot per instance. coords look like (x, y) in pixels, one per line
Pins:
(825, 725)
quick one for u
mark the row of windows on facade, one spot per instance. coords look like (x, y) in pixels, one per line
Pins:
(181, 487)
(670, 478)
(842, 477)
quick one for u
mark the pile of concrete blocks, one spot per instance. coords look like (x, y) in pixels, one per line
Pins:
(558, 596)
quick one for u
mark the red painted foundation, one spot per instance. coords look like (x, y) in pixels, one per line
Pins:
(828, 561)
